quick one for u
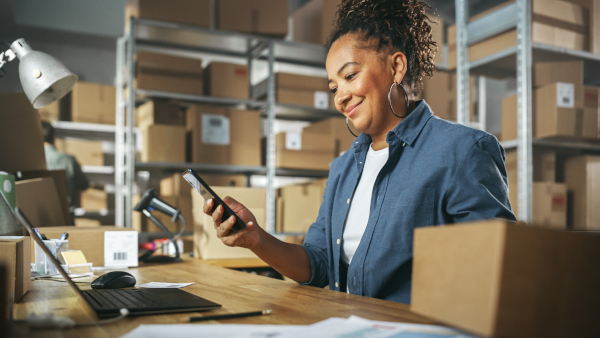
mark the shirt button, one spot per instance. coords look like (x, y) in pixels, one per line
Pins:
(404, 144)
(348, 202)
(336, 284)
(338, 241)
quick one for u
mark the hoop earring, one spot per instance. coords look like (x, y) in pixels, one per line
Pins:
(350, 130)
(405, 99)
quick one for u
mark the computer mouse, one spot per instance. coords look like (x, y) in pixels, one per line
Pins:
(114, 280)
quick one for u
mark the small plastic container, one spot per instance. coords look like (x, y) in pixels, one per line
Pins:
(43, 266)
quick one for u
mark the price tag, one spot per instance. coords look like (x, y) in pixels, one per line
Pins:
(120, 248)
(215, 129)
(565, 95)
(293, 141)
(321, 100)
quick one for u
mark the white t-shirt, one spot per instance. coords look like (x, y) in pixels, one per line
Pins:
(360, 208)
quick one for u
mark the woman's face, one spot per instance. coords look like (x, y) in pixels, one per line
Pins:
(360, 79)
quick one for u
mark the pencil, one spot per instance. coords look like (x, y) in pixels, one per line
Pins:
(232, 315)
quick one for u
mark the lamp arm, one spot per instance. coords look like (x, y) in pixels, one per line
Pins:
(6, 57)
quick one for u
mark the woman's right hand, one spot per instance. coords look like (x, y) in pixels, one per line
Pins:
(245, 238)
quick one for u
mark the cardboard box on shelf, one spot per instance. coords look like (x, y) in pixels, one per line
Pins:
(314, 21)
(265, 17)
(94, 200)
(310, 151)
(86, 222)
(169, 73)
(509, 118)
(582, 174)
(86, 152)
(187, 12)
(159, 112)
(492, 278)
(90, 240)
(544, 165)
(60, 182)
(206, 243)
(549, 205)
(93, 103)
(338, 133)
(221, 135)
(224, 79)
(557, 71)
(20, 133)
(593, 6)
(298, 206)
(554, 22)
(439, 92)
(301, 90)
(50, 113)
(163, 143)
(15, 256)
(39, 200)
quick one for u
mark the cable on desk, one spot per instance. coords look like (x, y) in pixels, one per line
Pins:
(182, 228)
(49, 321)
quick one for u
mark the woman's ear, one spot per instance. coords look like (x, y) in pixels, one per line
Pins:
(399, 66)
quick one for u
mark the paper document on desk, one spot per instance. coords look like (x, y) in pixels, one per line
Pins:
(213, 331)
(363, 328)
(157, 285)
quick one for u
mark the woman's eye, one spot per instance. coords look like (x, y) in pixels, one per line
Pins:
(350, 76)
(333, 90)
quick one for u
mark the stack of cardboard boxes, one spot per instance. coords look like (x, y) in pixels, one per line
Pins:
(298, 206)
(439, 91)
(162, 124)
(299, 90)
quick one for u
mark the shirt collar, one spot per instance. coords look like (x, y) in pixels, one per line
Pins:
(409, 129)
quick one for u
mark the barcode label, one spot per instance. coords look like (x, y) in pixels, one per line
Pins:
(120, 256)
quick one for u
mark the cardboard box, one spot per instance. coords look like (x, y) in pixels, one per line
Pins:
(544, 165)
(298, 206)
(94, 200)
(509, 118)
(222, 135)
(557, 71)
(593, 6)
(582, 174)
(497, 279)
(159, 112)
(50, 113)
(164, 143)
(338, 133)
(266, 17)
(15, 255)
(60, 181)
(187, 12)
(224, 79)
(314, 21)
(20, 133)
(549, 205)
(300, 90)
(554, 22)
(169, 73)
(86, 222)
(39, 200)
(86, 152)
(90, 240)
(93, 103)
(439, 91)
(302, 151)
(206, 243)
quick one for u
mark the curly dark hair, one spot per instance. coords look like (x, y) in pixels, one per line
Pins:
(399, 25)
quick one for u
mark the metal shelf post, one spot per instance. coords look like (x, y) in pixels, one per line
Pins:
(120, 134)
(271, 102)
(462, 63)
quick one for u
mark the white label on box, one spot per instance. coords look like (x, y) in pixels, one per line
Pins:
(120, 248)
(321, 100)
(565, 95)
(293, 141)
(215, 129)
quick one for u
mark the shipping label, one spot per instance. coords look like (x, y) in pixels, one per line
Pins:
(215, 129)
(321, 100)
(120, 248)
(293, 141)
(565, 95)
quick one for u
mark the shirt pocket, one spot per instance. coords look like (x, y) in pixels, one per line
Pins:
(412, 209)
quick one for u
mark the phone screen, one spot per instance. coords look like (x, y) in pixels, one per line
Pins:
(206, 192)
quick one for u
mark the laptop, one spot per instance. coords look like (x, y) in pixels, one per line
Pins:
(108, 302)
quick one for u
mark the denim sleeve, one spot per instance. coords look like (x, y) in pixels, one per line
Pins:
(315, 242)
(479, 187)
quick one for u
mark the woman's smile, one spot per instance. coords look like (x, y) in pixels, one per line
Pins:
(351, 110)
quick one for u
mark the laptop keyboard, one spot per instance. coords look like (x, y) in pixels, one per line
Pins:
(130, 298)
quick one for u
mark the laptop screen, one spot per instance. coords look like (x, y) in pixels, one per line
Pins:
(33, 234)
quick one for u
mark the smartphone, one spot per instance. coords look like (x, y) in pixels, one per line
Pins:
(203, 189)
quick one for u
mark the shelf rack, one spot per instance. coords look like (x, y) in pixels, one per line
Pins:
(170, 37)
(506, 63)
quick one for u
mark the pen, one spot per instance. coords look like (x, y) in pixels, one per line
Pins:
(63, 237)
(233, 315)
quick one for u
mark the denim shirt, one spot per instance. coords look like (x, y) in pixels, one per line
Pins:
(438, 172)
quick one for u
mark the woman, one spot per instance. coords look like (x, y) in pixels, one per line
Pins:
(407, 168)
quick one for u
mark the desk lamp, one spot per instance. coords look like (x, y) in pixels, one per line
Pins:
(150, 202)
(43, 77)
(44, 80)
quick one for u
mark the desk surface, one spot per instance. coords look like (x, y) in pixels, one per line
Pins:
(291, 303)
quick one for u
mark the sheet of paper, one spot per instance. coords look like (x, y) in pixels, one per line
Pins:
(157, 285)
(213, 331)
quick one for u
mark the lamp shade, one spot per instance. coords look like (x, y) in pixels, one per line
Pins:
(43, 77)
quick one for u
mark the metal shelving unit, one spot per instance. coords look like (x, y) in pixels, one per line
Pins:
(160, 36)
(516, 60)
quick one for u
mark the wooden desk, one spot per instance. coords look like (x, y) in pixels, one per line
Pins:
(236, 291)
